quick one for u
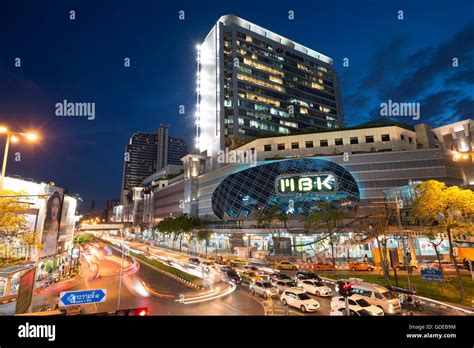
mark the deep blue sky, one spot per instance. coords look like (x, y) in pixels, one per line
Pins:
(82, 60)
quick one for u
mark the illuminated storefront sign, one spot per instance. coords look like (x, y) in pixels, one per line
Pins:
(289, 184)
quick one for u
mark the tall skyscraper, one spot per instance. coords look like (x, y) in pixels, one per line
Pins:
(253, 82)
(170, 149)
(147, 153)
(139, 162)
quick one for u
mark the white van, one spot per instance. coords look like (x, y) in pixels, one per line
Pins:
(377, 295)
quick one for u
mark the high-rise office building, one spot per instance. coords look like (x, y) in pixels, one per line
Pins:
(170, 149)
(147, 153)
(253, 82)
(139, 162)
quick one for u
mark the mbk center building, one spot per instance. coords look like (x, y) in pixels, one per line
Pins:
(230, 197)
(251, 80)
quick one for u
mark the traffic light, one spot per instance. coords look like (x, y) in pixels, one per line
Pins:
(344, 288)
(140, 312)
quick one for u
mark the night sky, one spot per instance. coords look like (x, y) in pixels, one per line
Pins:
(82, 60)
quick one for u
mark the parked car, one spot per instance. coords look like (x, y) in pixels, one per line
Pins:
(226, 268)
(250, 276)
(194, 261)
(286, 284)
(279, 276)
(238, 262)
(285, 264)
(301, 275)
(361, 266)
(358, 305)
(253, 269)
(315, 287)
(266, 289)
(321, 266)
(403, 266)
(230, 275)
(378, 295)
(299, 299)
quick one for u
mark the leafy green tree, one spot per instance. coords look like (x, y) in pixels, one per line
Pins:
(203, 235)
(274, 220)
(14, 230)
(450, 208)
(328, 220)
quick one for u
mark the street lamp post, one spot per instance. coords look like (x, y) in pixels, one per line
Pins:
(12, 136)
(121, 274)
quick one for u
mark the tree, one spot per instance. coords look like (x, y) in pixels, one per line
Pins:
(435, 240)
(14, 228)
(450, 208)
(273, 219)
(179, 227)
(203, 235)
(328, 220)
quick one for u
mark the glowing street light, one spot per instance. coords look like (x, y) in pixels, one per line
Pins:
(13, 137)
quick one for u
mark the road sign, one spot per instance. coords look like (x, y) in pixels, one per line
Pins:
(432, 275)
(74, 298)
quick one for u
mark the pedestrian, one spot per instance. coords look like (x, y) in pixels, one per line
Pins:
(366, 259)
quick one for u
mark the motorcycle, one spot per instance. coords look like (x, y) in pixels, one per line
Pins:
(408, 299)
(412, 301)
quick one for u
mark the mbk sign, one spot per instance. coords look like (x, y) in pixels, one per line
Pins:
(289, 184)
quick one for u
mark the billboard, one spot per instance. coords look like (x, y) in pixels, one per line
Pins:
(25, 291)
(52, 221)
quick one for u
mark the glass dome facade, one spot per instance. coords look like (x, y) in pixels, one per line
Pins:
(295, 186)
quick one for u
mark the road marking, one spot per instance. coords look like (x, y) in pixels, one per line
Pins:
(256, 299)
(225, 304)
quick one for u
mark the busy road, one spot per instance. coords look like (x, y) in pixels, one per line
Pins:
(260, 290)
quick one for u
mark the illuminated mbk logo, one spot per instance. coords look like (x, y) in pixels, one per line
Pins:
(289, 184)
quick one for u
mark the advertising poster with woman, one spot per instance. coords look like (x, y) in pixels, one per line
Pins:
(51, 222)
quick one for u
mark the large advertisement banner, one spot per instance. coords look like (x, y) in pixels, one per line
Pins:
(25, 291)
(52, 220)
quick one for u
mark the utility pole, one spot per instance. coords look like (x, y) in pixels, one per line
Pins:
(121, 274)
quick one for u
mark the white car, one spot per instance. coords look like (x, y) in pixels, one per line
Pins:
(315, 287)
(300, 299)
(286, 284)
(264, 288)
(358, 305)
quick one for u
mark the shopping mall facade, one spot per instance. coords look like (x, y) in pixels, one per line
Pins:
(56, 239)
(350, 168)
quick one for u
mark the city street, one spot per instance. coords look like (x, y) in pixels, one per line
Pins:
(144, 286)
